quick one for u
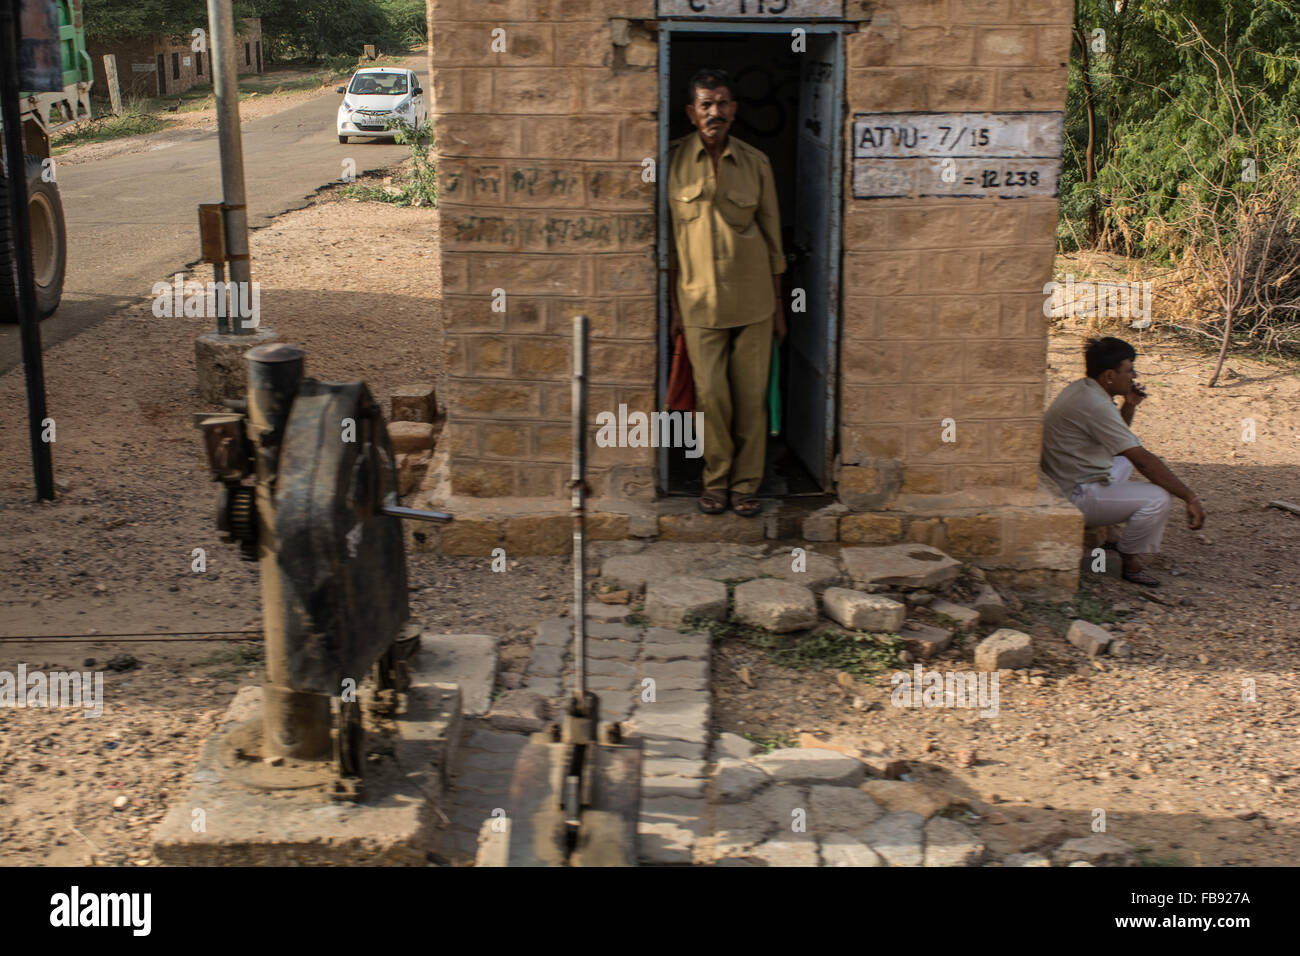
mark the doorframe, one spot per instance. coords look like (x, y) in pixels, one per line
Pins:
(666, 29)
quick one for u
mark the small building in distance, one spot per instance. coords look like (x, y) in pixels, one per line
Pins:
(163, 65)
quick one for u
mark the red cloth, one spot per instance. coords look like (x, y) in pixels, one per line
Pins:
(681, 380)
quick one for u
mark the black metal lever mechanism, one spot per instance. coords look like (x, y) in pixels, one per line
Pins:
(309, 490)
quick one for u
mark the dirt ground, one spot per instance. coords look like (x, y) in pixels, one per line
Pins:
(1162, 742)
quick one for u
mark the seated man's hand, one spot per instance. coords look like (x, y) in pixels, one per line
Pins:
(1136, 395)
(1195, 514)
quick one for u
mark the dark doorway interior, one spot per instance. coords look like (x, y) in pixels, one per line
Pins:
(772, 86)
(162, 74)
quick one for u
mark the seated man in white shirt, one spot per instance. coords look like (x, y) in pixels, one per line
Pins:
(1090, 452)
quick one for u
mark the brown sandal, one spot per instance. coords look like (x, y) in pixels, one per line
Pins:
(713, 502)
(745, 505)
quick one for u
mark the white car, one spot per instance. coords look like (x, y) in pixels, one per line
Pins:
(377, 95)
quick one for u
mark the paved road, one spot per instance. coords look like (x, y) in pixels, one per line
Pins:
(132, 219)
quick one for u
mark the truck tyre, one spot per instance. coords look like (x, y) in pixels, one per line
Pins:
(49, 244)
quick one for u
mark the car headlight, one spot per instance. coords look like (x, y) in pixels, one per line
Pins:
(403, 106)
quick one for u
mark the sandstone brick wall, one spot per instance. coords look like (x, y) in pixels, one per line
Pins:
(943, 298)
(540, 150)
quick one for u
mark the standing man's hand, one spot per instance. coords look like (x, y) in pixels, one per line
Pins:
(676, 327)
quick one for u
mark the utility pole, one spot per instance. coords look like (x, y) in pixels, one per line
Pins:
(225, 86)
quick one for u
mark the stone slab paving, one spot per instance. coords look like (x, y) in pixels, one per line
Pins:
(717, 802)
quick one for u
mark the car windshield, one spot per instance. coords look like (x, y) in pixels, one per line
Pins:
(378, 84)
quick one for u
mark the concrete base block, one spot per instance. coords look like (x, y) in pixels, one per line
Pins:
(468, 659)
(219, 361)
(398, 821)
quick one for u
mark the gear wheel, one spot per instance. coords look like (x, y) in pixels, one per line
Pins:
(240, 513)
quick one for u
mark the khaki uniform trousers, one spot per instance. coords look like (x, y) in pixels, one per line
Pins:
(730, 368)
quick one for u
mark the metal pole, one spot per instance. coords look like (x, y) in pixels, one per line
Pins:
(294, 723)
(29, 327)
(225, 86)
(578, 486)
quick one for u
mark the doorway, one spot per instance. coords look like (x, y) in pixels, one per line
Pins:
(162, 75)
(790, 108)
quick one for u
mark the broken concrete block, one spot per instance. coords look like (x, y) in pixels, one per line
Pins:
(923, 640)
(841, 850)
(671, 601)
(990, 606)
(410, 436)
(633, 571)
(775, 605)
(1088, 637)
(897, 838)
(860, 611)
(907, 567)
(414, 403)
(1097, 850)
(819, 572)
(737, 780)
(735, 746)
(840, 810)
(1004, 648)
(949, 843)
(796, 766)
(411, 469)
(518, 711)
(964, 616)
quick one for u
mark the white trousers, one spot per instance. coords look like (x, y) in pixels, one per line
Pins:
(1142, 506)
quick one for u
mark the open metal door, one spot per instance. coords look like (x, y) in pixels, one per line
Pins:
(810, 391)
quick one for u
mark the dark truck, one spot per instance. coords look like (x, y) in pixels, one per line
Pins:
(41, 114)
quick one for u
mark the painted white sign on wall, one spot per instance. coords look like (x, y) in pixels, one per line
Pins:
(1008, 155)
(752, 9)
(143, 67)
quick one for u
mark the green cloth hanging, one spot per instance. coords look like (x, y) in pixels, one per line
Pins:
(774, 391)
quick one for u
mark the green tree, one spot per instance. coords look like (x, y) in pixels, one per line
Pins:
(1149, 104)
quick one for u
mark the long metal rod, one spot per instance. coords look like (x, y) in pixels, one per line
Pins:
(225, 86)
(578, 486)
(28, 319)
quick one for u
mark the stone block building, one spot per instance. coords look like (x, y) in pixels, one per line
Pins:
(163, 65)
(916, 146)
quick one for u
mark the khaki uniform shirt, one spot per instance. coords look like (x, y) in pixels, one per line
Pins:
(1082, 434)
(726, 235)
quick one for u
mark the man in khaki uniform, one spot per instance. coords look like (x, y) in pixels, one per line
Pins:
(725, 288)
